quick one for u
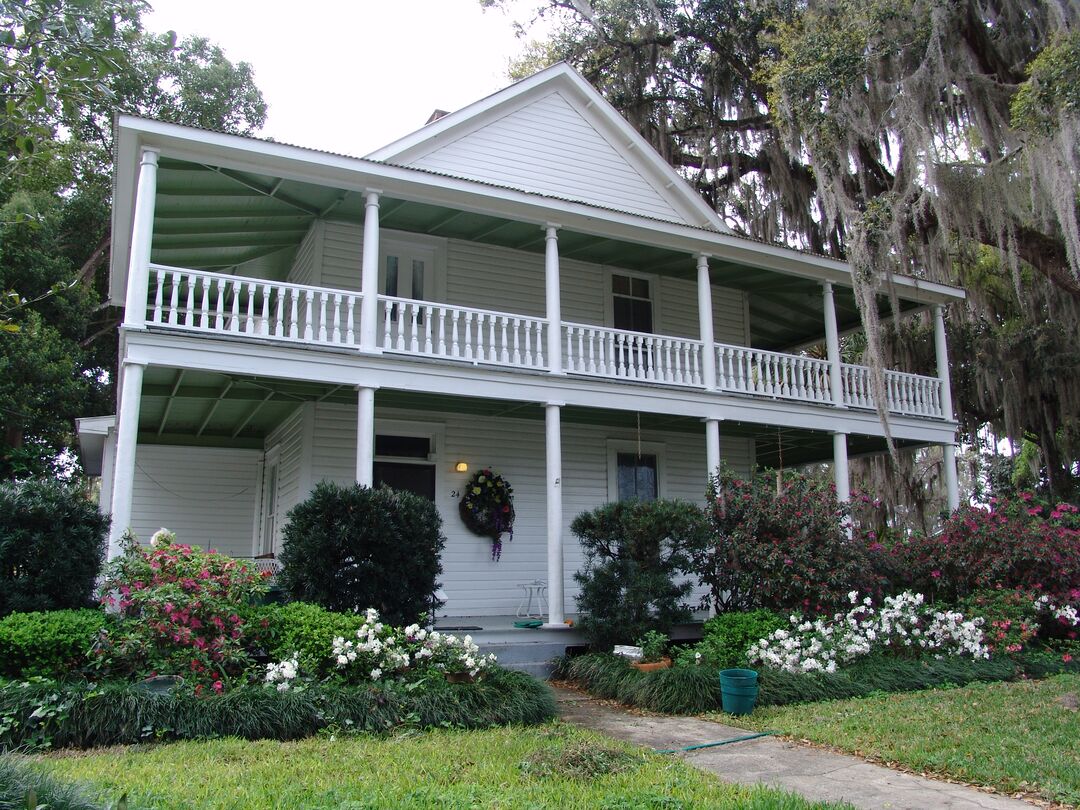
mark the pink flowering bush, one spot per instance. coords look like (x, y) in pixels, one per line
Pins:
(785, 551)
(1023, 543)
(180, 614)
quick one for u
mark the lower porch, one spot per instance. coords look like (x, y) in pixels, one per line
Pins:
(221, 459)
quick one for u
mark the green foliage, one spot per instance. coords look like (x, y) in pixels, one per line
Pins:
(693, 690)
(634, 551)
(728, 636)
(653, 645)
(179, 614)
(52, 540)
(303, 628)
(782, 551)
(1051, 92)
(51, 644)
(353, 548)
(46, 714)
(24, 787)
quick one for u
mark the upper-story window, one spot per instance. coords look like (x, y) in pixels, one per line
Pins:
(632, 305)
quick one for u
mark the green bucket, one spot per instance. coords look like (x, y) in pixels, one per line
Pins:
(738, 690)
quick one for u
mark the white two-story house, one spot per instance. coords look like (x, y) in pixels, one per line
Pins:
(523, 284)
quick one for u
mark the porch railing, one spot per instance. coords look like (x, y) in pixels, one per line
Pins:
(215, 302)
(462, 333)
(218, 303)
(603, 352)
(911, 394)
(772, 374)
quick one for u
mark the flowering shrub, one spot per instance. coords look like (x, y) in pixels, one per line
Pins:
(178, 609)
(785, 551)
(902, 625)
(1021, 543)
(380, 651)
(727, 637)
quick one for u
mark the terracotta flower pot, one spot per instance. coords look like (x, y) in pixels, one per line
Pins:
(652, 666)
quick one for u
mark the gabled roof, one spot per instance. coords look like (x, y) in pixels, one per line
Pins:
(554, 134)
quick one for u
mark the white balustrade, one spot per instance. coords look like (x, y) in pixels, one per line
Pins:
(909, 394)
(216, 302)
(461, 333)
(198, 301)
(772, 374)
(603, 352)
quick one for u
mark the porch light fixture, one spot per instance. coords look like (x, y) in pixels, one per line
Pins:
(461, 466)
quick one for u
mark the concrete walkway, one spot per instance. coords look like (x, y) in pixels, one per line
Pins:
(816, 774)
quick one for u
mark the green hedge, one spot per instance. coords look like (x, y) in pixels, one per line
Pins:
(692, 690)
(48, 644)
(303, 628)
(43, 714)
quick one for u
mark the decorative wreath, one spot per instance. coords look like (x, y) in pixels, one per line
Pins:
(487, 508)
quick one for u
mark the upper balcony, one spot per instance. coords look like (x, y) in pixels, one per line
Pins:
(266, 311)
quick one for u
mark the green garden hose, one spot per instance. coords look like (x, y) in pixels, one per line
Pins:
(714, 744)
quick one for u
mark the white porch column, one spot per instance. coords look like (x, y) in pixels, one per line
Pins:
(127, 436)
(941, 351)
(369, 274)
(142, 233)
(705, 329)
(554, 300)
(712, 445)
(553, 436)
(365, 435)
(840, 467)
(832, 344)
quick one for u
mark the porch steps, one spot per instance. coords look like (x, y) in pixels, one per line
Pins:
(533, 657)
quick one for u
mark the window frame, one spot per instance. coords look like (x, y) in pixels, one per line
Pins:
(617, 446)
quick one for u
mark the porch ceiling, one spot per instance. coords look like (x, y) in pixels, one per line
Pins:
(201, 408)
(225, 220)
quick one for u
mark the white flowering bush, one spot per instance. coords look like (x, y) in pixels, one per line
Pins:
(1067, 615)
(283, 675)
(903, 624)
(380, 651)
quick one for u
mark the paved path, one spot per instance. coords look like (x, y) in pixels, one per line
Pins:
(814, 773)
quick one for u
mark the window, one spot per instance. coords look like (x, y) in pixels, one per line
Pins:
(635, 470)
(403, 462)
(635, 476)
(631, 302)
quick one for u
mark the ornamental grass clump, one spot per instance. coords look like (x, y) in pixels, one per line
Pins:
(902, 626)
(180, 614)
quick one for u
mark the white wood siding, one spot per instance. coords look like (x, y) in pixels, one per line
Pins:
(506, 280)
(474, 584)
(549, 148)
(305, 269)
(205, 495)
(292, 481)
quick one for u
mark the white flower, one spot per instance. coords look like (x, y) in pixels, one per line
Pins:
(376, 674)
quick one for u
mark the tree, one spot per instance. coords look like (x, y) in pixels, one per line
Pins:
(65, 67)
(922, 136)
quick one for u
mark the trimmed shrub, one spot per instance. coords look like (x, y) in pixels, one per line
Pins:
(783, 551)
(52, 644)
(351, 548)
(634, 552)
(179, 614)
(52, 542)
(1023, 543)
(302, 628)
(727, 637)
(45, 715)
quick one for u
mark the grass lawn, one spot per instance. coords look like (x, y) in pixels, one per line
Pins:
(547, 766)
(1008, 736)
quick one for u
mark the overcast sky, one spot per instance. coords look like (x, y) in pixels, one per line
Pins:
(351, 76)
